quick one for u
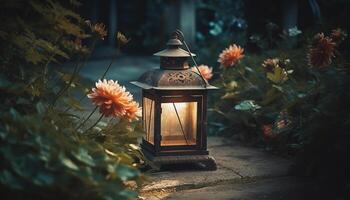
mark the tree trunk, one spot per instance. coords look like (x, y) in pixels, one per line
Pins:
(188, 21)
(290, 17)
(112, 28)
(180, 15)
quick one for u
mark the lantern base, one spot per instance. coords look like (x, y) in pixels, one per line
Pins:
(205, 161)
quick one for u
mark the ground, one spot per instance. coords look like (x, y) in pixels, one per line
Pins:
(243, 172)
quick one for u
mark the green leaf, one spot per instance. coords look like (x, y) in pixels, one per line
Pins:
(128, 193)
(68, 162)
(40, 108)
(7, 178)
(249, 69)
(279, 88)
(279, 75)
(271, 96)
(43, 179)
(14, 114)
(83, 156)
(247, 105)
(126, 173)
(230, 95)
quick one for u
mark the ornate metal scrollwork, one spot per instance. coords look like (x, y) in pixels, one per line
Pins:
(180, 78)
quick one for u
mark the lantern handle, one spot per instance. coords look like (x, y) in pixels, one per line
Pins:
(181, 37)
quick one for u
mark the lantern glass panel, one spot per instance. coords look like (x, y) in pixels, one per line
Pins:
(148, 119)
(179, 123)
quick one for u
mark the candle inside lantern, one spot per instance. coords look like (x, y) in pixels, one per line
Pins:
(179, 123)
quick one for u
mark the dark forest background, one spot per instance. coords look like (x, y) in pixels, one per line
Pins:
(150, 22)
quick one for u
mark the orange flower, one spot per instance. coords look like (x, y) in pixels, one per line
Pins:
(338, 35)
(113, 100)
(231, 55)
(98, 28)
(133, 111)
(207, 72)
(321, 51)
(267, 131)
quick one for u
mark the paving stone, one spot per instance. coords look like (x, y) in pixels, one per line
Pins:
(248, 161)
(188, 179)
(217, 141)
(286, 188)
(234, 162)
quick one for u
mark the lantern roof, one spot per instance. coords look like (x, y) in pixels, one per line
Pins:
(160, 79)
(174, 72)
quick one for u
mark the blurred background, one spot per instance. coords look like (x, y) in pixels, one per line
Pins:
(208, 26)
(149, 23)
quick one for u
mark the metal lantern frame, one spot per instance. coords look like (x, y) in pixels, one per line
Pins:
(175, 83)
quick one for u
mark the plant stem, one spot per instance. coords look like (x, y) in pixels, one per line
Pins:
(87, 118)
(222, 76)
(46, 66)
(110, 64)
(65, 88)
(75, 72)
(104, 74)
(220, 112)
(244, 78)
(50, 58)
(102, 77)
(99, 119)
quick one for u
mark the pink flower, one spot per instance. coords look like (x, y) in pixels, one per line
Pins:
(205, 71)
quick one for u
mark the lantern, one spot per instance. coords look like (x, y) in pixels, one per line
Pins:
(174, 109)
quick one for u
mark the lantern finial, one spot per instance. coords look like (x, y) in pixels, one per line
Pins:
(174, 48)
(175, 40)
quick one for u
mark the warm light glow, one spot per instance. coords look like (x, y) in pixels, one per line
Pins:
(148, 119)
(179, 123)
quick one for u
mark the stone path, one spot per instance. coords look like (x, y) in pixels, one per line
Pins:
(243, 173)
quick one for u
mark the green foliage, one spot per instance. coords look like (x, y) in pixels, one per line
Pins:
(291, 108)
(39, 160)
(42, 154)
(261, 97)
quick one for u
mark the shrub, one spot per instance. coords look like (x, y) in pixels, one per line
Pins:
(45, 152)
(293, 107)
